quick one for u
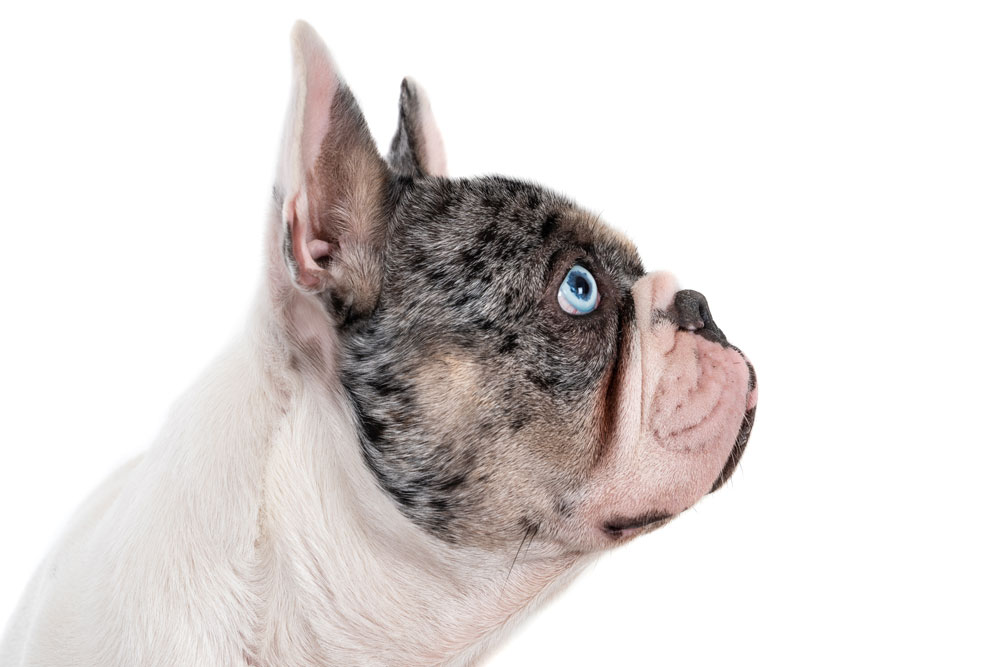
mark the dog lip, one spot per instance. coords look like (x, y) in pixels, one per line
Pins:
(622, 527)
(743, 436)
(737, 451)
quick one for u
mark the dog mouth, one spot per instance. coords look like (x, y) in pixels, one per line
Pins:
(702, 461)
(736, 453)
(619, 528)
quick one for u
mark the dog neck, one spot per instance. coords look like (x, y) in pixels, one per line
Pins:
(340, 575)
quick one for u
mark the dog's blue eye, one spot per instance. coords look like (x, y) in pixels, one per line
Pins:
(578, 293)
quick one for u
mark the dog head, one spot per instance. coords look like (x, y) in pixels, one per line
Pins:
(511, 367)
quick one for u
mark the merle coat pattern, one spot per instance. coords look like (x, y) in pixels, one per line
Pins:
(412, 444)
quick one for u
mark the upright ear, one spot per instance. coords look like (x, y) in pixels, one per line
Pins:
(332, 185)
(417, 149)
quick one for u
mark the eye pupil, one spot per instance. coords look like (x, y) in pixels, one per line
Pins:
(580, 286)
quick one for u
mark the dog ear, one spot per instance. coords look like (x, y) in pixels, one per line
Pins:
(417, 149)
(332, 185)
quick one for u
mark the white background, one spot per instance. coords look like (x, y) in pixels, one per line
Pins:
(826, 173)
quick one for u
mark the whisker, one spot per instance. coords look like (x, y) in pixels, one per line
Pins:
(526, 531)
(534, 531)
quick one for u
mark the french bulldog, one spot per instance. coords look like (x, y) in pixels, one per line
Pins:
(451, 394)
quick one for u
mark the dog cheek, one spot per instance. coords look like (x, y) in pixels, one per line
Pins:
(529, 450)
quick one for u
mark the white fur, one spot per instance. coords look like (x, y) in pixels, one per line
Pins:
(253, 533)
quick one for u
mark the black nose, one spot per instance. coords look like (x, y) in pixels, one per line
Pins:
(690, 311)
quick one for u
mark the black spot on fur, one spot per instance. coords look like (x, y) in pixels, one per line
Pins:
(509, 344)
(452, 483)
(518, 421)
(549, 225)
(539, 380)
(487, 235)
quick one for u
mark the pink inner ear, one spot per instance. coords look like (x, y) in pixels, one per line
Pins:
(321, 83)
(305, 249)
(318, 248)
(434, 157)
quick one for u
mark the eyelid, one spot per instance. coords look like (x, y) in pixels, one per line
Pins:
(563, 259)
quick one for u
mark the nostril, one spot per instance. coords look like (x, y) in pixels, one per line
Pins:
(690, 311)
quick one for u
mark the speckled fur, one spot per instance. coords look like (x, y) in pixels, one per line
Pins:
(471, 269)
